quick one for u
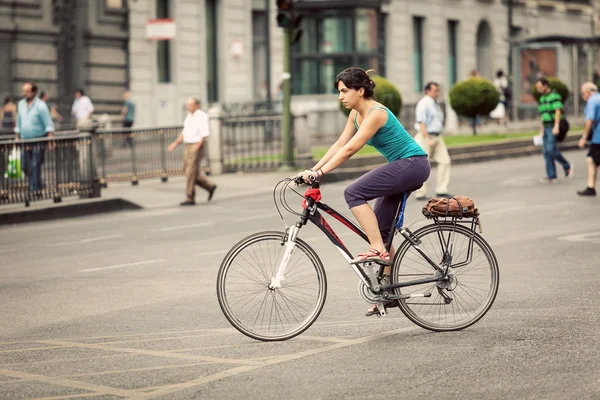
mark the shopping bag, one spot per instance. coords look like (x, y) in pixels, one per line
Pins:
(13, 170)
(498, 112)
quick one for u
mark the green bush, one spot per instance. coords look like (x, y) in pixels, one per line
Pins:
(473, 97)
(555, 84)
(385, 93)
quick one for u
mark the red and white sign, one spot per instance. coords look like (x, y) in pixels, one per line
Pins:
(160, 29)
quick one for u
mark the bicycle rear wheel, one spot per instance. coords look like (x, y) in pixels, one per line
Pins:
(471, 286)
(271, 314)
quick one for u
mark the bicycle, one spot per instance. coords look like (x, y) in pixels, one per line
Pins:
(261, 283)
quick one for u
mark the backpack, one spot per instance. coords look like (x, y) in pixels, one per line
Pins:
(507, 92)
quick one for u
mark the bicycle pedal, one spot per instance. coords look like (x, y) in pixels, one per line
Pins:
(399, 297)
(408, 296)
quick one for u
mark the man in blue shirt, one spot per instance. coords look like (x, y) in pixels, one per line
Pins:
(34, 122)
(591, 133)
(128, 111)
(128, 115)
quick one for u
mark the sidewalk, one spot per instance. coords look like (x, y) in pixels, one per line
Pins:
(151, 194)
(148, 194)
(493, 127)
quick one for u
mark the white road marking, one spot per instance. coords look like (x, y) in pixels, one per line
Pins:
(181, 227)
(253, 217)
(590, 237)
(88, 240)
(96, 239)
(123, 265)
(201, 381)
(210, 253)
(523, 180)
(503, 210)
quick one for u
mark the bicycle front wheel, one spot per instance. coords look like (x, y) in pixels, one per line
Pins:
(271, 314)
(469, 289)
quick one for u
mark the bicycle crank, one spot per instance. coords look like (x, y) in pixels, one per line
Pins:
(367, 295)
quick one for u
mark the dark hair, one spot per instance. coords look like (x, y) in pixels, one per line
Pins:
(80, 91)
(7, 99)
(42, 94)
(500, 73)
(430, 85)
(34, 87)
(356, 78)
(543, 81)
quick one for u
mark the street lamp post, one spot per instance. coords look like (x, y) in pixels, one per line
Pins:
(63, 14)
(510, 31)
(288, 19)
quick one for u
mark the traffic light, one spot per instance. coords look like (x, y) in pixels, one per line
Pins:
(287, 16)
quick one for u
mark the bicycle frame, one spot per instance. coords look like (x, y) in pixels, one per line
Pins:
(312, 214)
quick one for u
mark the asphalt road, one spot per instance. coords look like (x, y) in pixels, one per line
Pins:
(124, 306)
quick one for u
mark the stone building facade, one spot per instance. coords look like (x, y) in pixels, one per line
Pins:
(222, 50)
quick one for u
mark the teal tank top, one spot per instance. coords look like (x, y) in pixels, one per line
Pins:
(392, 140)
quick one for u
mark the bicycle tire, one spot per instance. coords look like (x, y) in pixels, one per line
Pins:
(409, 306)
(235, 256)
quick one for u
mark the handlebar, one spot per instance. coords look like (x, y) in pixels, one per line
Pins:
(313, 184)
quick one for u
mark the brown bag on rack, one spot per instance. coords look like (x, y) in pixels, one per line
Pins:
(457, 206)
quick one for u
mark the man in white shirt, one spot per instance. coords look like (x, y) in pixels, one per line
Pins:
(194, 134)
(82, 110)
(429, 124)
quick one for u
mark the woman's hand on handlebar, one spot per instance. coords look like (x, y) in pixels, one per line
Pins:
(308, 176)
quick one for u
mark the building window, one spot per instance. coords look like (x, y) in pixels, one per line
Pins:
(163, 10)
(118, 4)
(333, 40)
(418, 52)
(211, 51)
(452, 52)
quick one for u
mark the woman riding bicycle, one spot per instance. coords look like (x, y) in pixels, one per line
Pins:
(408, 168)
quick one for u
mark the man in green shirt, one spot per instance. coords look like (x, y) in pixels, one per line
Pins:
(551, 111)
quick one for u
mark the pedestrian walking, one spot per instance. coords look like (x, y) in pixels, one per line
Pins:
(429, 125)
(591, 133)
(501, 84)
(194, 134)
(551, 112)
(82, 110)
(128, 116)
(128, 110)
(56, 117)
(34, 122)
(9, 113)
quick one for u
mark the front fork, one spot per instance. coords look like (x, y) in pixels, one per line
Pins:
(289, 243)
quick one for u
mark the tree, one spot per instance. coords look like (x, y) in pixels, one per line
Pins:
(555, 84)
(473, 97)
(385, 93)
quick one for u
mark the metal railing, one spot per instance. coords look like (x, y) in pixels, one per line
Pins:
(251, 143)
(45, 168)
(136, 154)
(251, 108)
